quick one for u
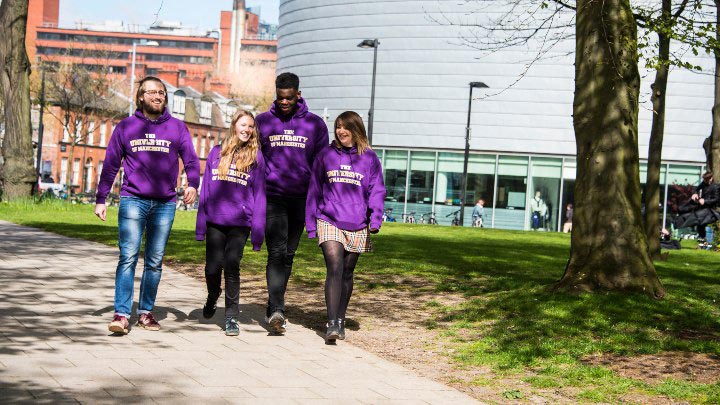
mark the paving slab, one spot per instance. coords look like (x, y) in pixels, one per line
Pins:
(56, 300)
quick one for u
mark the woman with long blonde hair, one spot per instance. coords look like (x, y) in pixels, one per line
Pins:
(232, 208)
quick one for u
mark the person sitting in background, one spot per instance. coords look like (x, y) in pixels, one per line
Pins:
(567, 226)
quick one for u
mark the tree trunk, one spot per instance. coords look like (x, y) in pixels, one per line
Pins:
(715, 135)
(652, 182)
(608, 248)
(17, 175)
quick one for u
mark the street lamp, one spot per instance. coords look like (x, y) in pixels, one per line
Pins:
(132, 74)
(365, 44)
(463, 188)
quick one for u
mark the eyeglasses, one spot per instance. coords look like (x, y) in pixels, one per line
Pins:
(160, 93)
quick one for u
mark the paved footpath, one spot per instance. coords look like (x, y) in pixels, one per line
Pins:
(56, 298)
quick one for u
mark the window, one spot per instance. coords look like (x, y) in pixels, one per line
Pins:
(511, 195)
(395, 180)
(63, 170)
(546, 179)
(91, 133)
(76, 172)
(195, 142)
(205, 112)
(179, 104)
(103, 133)
(66, 134)
(88, 176)
(202, 146)
(78, 131)
(99, 171)
(212, 141)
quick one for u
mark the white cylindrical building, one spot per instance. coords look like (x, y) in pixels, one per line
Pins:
(522, 138)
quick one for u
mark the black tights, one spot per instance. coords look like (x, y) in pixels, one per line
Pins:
(339, 281)
(223, 251)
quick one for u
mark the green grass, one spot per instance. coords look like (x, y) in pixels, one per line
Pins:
(510, 320)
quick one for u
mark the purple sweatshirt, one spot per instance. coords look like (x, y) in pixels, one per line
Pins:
(346, 190)
(238, 200)
(148, 151)
(289, 144)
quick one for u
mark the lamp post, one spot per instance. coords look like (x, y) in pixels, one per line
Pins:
(132, 74)
(365, 44)
(463, 187)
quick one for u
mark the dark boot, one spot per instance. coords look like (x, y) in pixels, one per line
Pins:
(210, 305)
(332, 331)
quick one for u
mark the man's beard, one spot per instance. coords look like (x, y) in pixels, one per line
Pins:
(152, 108)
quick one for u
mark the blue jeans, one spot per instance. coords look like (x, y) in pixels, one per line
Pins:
(135, 217)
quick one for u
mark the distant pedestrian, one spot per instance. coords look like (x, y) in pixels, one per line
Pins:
(147, 145)
(478, 213)
(231, 209)
(567, 226)
(538, 209)
(290, 138)
(344, 206)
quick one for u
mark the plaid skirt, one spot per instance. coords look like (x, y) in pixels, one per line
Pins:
(353, 241)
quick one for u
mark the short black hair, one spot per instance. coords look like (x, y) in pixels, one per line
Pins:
(287, 80)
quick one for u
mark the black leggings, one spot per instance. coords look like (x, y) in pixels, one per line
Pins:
(223, 250)
(339, 281)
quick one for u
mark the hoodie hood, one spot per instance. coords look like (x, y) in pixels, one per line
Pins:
(300, 111)
(162, 118)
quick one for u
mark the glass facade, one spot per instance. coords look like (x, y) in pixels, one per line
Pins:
(421, 182)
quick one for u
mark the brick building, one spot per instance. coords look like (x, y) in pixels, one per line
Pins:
(164, 49)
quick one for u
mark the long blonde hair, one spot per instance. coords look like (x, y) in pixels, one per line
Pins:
(234, 151)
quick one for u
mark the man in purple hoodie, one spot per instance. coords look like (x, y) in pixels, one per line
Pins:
(147, 145)
(290, 137)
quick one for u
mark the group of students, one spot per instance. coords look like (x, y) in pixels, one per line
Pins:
(272, 176)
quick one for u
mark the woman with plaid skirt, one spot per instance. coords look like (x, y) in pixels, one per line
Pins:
(344, 206)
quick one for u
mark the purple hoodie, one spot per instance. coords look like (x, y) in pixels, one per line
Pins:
(238, 200)
(346, 190)
(148, 151)
(289, 144)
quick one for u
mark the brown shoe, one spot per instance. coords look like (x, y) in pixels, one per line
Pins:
(119, 324)
(146, 321)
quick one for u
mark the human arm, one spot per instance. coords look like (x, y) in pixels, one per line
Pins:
(111, 165)
(321, 137)
(376, 196)
(201, 221)
(313, 198)
(191, 164)
(257, 230)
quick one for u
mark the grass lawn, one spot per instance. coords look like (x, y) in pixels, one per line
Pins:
(509, 320)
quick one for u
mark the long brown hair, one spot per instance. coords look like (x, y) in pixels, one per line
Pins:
(234, 151)
(353, 123)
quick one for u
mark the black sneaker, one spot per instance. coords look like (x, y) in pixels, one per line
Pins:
(332, 331)
(341, 328)
(277, 322)
(231, 327)
(210, 306)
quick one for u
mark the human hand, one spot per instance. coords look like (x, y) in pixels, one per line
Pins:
(694, 197)
(701, 201)
(190, 195)
(101, 211)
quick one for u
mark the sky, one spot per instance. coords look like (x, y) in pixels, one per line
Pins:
(191, 13)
